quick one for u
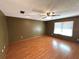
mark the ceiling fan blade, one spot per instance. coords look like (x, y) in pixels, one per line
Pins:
(44, 17)
(38, 11)
(55, 15)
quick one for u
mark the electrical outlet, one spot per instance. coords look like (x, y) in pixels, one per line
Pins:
(77, 39)
(2, 50)
(21, 36)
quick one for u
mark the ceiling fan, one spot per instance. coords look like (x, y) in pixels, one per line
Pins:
(42, 14)
(49, 14)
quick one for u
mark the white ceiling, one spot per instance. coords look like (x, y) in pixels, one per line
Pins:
(32, 8)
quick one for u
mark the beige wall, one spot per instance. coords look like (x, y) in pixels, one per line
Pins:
(3, 35)
(24, 28)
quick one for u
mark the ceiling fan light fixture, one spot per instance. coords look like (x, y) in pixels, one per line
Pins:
(50, 13)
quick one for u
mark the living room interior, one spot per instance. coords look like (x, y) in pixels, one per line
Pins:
(39, 29)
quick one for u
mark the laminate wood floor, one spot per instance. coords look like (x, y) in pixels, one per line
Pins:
(43, 47)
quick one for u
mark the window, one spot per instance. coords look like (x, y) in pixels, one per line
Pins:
(64, 28)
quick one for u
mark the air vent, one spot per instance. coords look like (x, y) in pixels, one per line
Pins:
(22, 12)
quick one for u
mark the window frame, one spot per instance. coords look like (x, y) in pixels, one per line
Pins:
(62, 28)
